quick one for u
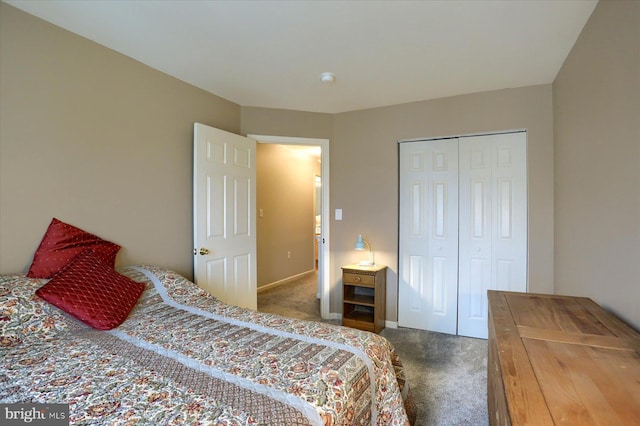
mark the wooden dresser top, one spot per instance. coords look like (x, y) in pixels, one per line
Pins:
(565, 360)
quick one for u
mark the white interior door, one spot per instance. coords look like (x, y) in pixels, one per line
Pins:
(224, 196)
(429, 235)
(493, 224)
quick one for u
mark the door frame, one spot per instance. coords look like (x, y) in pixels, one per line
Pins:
(325, 267)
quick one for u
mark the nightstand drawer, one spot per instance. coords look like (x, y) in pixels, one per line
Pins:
(358, 279)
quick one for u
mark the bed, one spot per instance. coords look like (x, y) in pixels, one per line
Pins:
(184, 357)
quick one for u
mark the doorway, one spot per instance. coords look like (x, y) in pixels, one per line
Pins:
(317, 234)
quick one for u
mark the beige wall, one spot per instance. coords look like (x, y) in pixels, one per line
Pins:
(364, 172)
(282, 122)
(98, 140)
(285, 194)
(364, 169)
(597, 162)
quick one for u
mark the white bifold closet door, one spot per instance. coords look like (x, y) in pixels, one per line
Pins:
(463, 229)
(428, 276)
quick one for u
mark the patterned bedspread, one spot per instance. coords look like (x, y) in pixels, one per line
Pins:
(183, 357)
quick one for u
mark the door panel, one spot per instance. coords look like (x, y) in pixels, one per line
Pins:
(214, 193)
(241, 208)
(429, 250)
(475, 232)
(224, 215)
(510, 246)
(492, 195)
(216, 273)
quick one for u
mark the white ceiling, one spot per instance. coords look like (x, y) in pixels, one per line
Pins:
(271, 53)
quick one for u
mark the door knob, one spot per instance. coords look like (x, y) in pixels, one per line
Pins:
(204, 251)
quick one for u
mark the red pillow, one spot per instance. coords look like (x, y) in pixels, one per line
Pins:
(61, 243)
(93, 292)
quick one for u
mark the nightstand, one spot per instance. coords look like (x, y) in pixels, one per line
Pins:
(364, 292)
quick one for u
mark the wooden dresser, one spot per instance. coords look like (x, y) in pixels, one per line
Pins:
(559, 360)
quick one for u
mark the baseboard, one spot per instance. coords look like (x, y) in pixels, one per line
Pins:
(391, 324)
(284, 281)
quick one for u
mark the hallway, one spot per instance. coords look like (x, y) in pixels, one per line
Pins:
(295, 299)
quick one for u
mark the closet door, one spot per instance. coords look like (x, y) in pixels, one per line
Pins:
(428, 250)
(493, 224)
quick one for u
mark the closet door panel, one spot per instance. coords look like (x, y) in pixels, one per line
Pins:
(429, 241)
(475, 232)
(492, 200)
(510, 243)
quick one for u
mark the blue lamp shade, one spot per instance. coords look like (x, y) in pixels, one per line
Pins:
(362, 244)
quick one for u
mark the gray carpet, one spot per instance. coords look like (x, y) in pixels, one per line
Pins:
(295, 299)
(447, 374)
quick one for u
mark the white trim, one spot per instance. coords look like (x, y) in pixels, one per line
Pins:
(284, 281)
(435, 138)
(287, 140)
(325, 271)
(391, 324)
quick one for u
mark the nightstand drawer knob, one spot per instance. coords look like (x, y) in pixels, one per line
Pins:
(358, 279)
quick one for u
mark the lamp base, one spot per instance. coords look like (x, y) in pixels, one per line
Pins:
(366, 263)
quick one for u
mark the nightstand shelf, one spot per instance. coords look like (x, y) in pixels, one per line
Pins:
(361, 300)
(364, 293)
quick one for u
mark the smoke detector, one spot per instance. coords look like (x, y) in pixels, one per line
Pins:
(328, 77)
